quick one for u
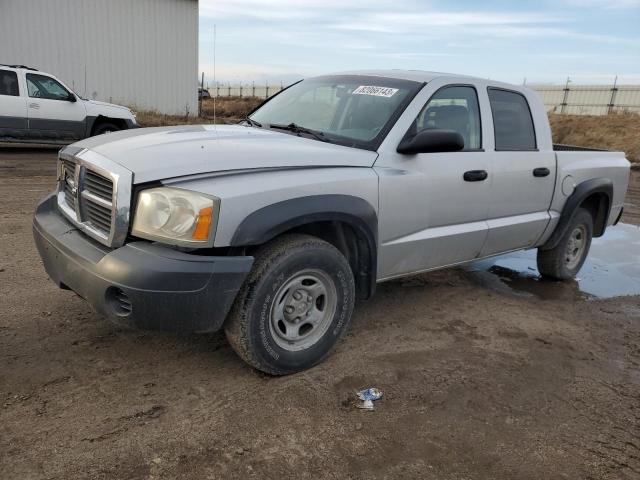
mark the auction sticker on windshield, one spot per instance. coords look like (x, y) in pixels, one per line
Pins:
(375, 91)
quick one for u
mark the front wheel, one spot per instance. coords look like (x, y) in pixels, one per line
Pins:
(294, 306)
(567, 257)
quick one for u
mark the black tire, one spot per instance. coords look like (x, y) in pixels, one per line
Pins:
(555, 263)
(249, 327)
(105, 127)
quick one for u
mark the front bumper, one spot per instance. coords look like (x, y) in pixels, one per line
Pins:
(143, 284)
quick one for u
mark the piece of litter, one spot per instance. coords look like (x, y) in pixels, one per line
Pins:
(368, 396)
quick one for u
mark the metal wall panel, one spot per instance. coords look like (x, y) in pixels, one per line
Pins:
(139, 53)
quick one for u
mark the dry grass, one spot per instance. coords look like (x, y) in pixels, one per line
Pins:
(619, 132)
(227, 110)
(612, 132)
(230, 108)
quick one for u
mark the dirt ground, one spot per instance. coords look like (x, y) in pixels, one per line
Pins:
(478, 382)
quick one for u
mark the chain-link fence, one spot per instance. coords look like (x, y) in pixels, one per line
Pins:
(563, 99)
(249, 89)
(590, 99)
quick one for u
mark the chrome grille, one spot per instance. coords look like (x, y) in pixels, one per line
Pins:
(69, 173)
(94, 194)
(98, 185)
(99, 216)
(97, 190)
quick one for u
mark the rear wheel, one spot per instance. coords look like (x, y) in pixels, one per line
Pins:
(566, 259)
(294, 306)
(105, 127)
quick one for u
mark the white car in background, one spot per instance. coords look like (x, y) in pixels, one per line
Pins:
(36, 107)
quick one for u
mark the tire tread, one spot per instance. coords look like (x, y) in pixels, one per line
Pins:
(266, 257)
(551, 262)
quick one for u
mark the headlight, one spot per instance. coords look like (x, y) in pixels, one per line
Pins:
(176, 216)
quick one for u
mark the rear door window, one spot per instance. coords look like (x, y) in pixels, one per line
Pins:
(512, 120)
(9, 83)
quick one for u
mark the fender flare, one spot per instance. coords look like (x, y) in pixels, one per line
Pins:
(579, 195)
(268, 222)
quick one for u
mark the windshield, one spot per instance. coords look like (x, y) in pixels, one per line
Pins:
(349, 110)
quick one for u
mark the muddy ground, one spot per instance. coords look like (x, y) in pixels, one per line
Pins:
(482, 377)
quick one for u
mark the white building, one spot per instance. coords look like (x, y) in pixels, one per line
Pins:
(138, 53)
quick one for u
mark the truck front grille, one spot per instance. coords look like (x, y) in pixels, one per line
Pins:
(98, 194)
(98, 185)
(87, 195)
(69, 173)
(99, 216)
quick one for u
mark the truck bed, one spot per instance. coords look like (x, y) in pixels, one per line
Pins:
(559, 147)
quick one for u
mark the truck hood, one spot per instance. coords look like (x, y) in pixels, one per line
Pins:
(167, 152)
(95, 108)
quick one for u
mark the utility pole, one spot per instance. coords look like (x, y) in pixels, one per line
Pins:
(214, 74)
(201, 95)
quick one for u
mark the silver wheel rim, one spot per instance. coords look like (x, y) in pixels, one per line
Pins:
(575, 246)
(302, 310)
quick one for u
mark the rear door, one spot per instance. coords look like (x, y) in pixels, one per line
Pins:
(13, 107)
(523, 174)
(54, 112)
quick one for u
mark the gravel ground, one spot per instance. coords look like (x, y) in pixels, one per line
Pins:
(479, 382)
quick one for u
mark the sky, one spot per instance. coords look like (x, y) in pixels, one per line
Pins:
(543, 41)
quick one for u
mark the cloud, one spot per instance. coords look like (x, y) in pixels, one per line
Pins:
(391, 22)
(308, 37)
(414, 55)
(281, 9)
(234, 72)
(603, 4)
(474, 24)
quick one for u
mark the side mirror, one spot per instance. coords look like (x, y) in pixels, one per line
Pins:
(72, 98)
(432, 140)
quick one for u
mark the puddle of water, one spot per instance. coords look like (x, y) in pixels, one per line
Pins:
(612, 269)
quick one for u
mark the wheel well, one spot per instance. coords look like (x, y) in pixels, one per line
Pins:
(353, 244)
(598, 205)
(100, 120)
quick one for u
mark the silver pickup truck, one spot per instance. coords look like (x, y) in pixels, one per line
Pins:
(272, 228)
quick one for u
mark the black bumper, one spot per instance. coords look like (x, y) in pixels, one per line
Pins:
(142, 284)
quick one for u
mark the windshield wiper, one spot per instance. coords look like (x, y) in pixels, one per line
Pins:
(292, 127)
(252, 122)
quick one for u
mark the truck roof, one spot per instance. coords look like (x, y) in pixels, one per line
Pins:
(426, 77)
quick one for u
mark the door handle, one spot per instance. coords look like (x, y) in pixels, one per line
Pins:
(541, 172)
(475, 175)
(34, 105)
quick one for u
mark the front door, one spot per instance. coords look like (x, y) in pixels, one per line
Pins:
(54, 112)
(13, 107)
(433, 206)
